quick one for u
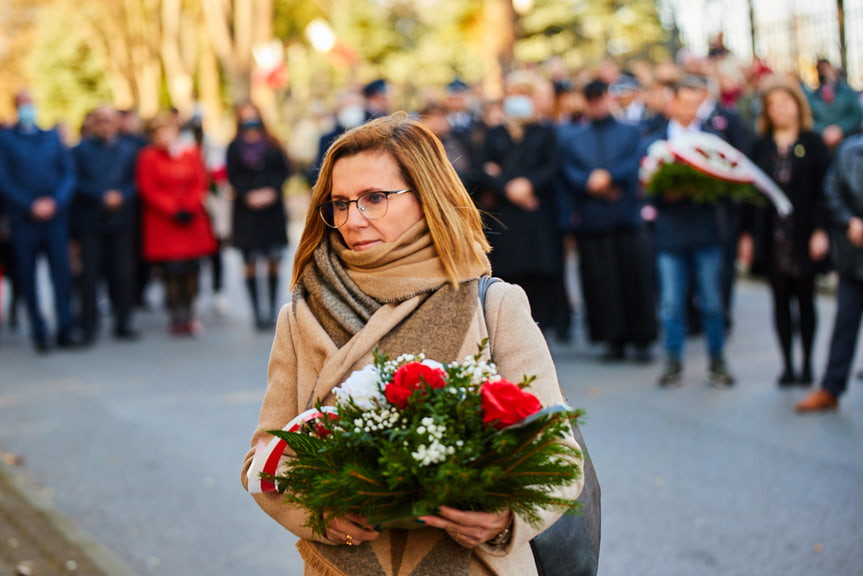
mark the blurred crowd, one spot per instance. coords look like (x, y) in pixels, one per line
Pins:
(554, 166)
(129, 205)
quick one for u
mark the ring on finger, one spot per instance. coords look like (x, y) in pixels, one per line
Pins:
(349, 540)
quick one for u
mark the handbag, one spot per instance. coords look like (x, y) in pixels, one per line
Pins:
(570, 546)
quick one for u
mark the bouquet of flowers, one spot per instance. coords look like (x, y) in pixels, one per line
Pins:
(411, 434)
(701, 167)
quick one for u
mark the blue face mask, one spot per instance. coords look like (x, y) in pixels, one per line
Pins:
(27, 114)
(518, 107)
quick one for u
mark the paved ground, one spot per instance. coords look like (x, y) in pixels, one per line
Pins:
(140, 445)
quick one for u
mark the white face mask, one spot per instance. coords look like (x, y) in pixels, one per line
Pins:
(518, 107)
(351, 116)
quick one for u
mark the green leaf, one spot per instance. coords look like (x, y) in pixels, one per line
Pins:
(300, 443)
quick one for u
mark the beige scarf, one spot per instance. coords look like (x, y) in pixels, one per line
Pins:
(344, 289)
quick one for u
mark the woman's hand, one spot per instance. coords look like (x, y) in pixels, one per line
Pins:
(469, 529)
(261, 198)
(819, 245)
(519, 191)
(598, 182)
(350, 530)
(492, 169)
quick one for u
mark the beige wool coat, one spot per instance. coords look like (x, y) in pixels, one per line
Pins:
(305, 365)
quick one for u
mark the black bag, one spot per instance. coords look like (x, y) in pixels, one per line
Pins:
(570, 546)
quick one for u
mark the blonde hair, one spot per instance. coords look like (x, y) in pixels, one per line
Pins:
(763, 124)
(162, 119)
(454, 222)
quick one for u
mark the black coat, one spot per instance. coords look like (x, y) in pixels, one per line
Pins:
(266, 228)
(809, 162)
(103, 166)
(524, 242)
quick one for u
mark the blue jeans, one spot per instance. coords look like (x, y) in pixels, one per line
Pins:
(674, 273)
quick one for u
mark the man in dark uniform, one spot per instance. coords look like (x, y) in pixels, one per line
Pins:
(103, 211)
(459, 114)
(599, 168)
(37, 177)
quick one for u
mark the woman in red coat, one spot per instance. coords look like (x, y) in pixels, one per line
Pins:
(176, 229)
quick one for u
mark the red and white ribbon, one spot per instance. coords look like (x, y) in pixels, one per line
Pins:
(269, 457)
(713, 156)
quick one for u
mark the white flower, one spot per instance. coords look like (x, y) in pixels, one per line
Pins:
(361, 387)
(434, 454)
(433, 364)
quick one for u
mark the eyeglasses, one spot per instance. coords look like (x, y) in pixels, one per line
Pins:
(372, 205)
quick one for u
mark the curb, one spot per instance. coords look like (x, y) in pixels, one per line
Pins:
(102, 558)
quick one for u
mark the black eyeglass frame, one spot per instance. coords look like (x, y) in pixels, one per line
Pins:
(386, 193)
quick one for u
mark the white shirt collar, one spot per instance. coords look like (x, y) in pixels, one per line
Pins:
(676, 130)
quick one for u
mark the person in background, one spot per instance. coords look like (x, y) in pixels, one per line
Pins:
(350, 113)
(843, 192)
(836, 109)
(213, 156)
(177, 233)
(568, 104)
(130, 129)
(37, 179)
(599, 168)
(628, 101)
(456, 143)
(103, 212)
(519, 162)
(7, 271)
(257, 170)
(792, 250)
(458, 108)
(377, 97)
(656, 94)
(688, 243)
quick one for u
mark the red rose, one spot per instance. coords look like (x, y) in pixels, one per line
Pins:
(506, 404)
(410, 378)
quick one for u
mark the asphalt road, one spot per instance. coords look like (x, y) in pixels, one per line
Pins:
(141, 445)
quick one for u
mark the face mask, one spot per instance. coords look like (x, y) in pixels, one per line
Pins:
(518, 107)
(27, 114)
(351, 116)
(255, 124)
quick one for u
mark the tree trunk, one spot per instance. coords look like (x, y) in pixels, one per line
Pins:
(179, 81)
(209, 82)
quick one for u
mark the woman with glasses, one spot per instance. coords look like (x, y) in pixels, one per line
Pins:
(390, 257)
